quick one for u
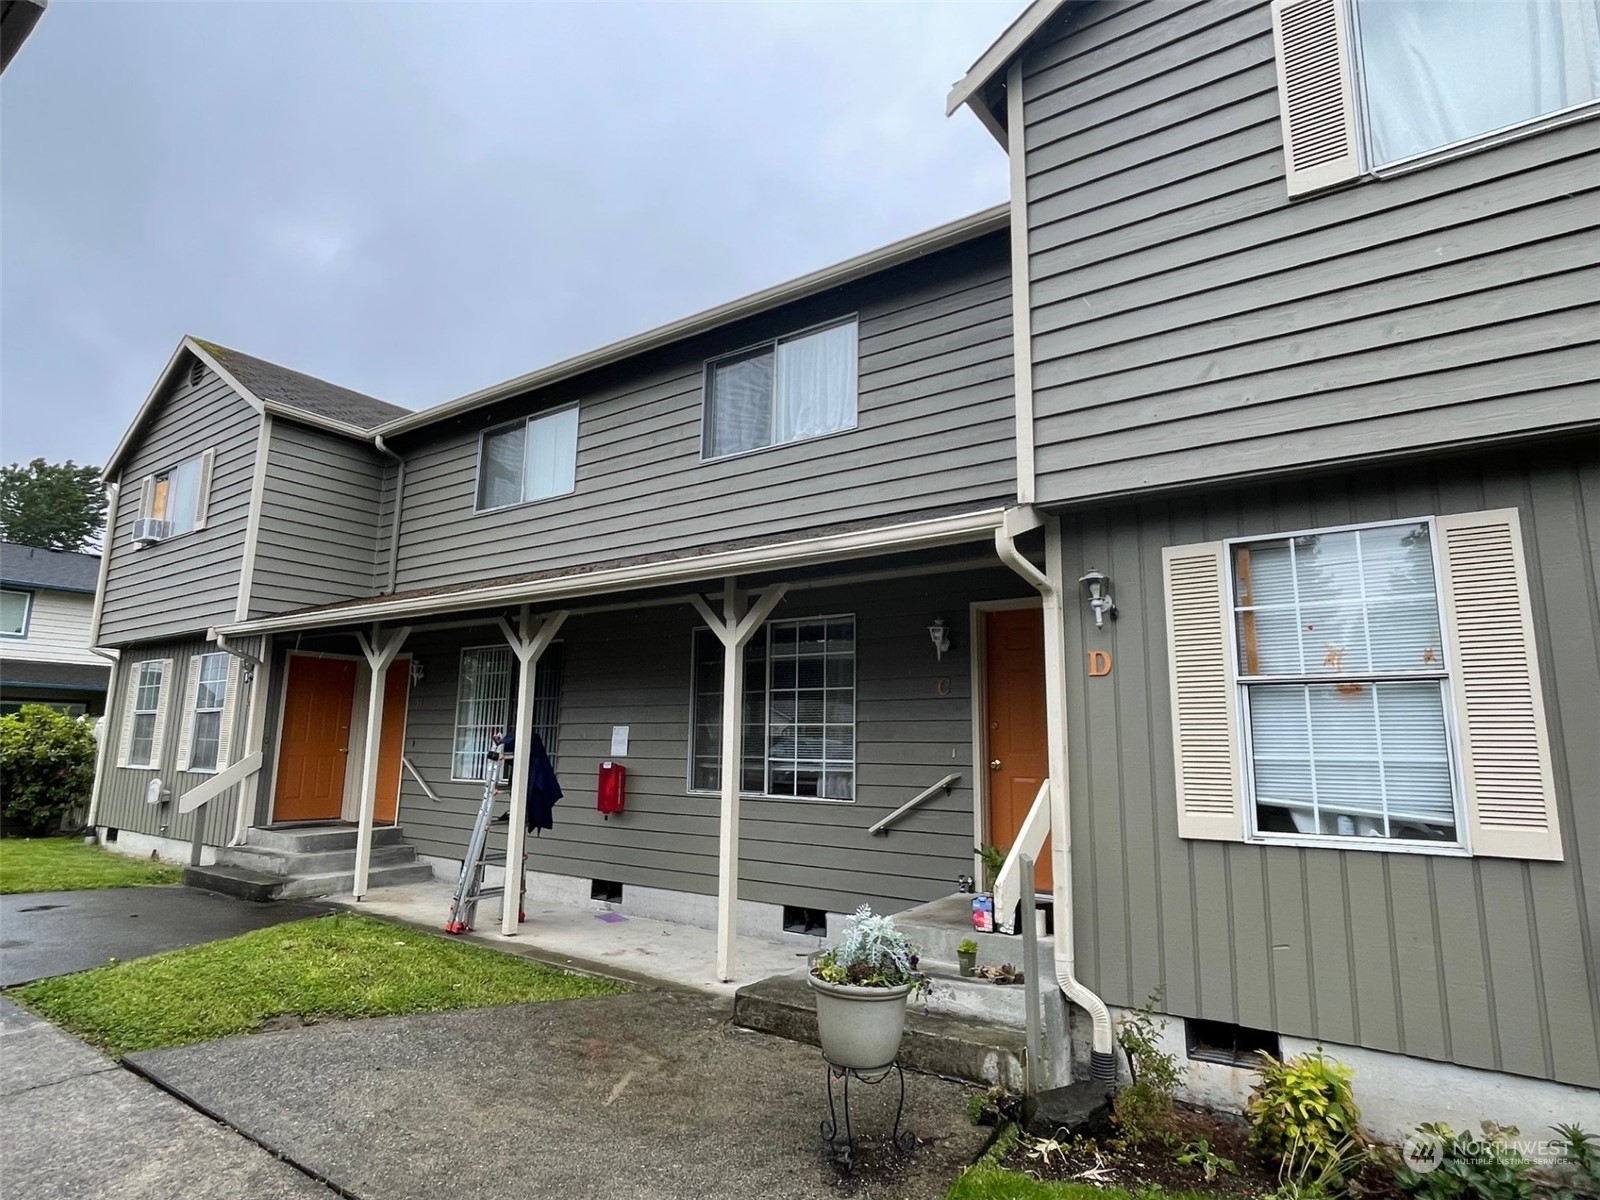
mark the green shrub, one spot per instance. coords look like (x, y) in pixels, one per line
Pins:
(1580, 1155)
(1143, 1106)
(46, 768)
(1469, 1168)
(1303, 1112)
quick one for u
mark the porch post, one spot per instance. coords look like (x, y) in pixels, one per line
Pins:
(255, 725)
(734, 630)
(380, 655)
(529, 650)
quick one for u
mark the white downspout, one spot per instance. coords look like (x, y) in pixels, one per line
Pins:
(381, 447)
(1102, 1058)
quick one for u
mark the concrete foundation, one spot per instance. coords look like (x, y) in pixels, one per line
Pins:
(143, 845)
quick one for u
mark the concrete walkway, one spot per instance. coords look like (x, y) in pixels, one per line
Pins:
(629, 947)
(637, 1097)
(57, 933)
(79, 1126)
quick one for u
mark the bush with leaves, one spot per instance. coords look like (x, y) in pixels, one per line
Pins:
(1303, 1110)
(1143, 1106)
(1580, 1156)
(872, 953)
(46, 768)
(1470, 1168)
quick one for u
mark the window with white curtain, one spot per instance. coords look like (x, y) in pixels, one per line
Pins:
(1437, 73)
(790, 389)
(529, 460)
(1344, 684)
(484, 693)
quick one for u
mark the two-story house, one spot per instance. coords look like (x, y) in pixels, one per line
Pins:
(1218, 508)
(46, 610)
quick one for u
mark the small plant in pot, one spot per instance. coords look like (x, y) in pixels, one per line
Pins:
(967, 956)
(862, 986)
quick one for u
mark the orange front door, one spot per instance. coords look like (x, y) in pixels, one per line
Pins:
(314, 744)
(391, 745)
(1018, 761)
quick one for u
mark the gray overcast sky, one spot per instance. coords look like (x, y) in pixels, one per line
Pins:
(416, 200)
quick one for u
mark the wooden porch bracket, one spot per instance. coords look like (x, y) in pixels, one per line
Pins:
(380, 653)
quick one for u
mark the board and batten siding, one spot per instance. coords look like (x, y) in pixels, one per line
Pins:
(187, 583)
(122, 797)
(633, 669)
(320, 511)
(935, 430)
(1476, 961)
(1190, 322)
(58, 628)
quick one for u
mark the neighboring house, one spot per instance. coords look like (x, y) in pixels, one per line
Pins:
(1264, 570)
(46, 611)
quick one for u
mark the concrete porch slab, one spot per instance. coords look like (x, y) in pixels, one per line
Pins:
(636, 949)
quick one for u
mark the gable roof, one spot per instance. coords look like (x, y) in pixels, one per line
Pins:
(269, 389)
(973, 87)
(53, 570)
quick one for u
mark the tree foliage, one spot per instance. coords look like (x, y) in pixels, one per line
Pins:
(55, 506)
(46, 768)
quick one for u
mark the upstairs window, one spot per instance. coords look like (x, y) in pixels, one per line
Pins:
(793, 388)
(533, 459)
(14, 613)
(174, 501)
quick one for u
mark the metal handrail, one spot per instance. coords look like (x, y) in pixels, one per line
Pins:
(943, 784)
(421, 782)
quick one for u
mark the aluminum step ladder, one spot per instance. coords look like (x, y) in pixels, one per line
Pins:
(469, 888)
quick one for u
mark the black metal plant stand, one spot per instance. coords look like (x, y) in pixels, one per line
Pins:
(843, 1150)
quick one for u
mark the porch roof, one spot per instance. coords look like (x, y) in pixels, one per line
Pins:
(828, 544)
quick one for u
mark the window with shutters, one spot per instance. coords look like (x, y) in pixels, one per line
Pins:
(210, 698)
(796, 387)
(176, 498)
(484, 693)
(1344, 685)
(143, 714)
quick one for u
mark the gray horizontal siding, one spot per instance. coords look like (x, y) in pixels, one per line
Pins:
(122, 795)
(1475, 961)
(633, 669)
(1190, 323)
(191, 582)
(320, 514)
(935, 430)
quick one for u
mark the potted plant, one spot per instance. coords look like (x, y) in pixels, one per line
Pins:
(862, 985)
(967, 956)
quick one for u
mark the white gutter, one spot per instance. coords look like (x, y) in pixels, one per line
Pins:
(913, 535)
(399, 499)
(115, 657)
(1102, 1059)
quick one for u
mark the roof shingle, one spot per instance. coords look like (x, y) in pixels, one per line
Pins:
(56, 570)
(269, 381)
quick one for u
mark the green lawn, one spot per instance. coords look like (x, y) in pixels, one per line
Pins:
(67, 865)
(988, 1182)
(335, 966)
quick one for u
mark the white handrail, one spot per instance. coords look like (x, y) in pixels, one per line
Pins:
(421, 782)
(943, 784)
(1030, 840)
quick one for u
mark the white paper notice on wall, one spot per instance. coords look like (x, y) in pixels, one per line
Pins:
(619, 741)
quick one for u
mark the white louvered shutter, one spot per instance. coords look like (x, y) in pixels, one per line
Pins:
(1316, 93)
(159, 738)
(230, 705)
(191, 693)
(203, 500)
(1200, 669)
(1494, 668)
(125, 741)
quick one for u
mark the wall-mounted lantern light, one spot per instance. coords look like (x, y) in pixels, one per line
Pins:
(1098, 585)
(418, 672)
(940, 634)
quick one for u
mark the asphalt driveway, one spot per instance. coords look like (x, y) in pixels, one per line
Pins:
(56, 933)
(643, 1096)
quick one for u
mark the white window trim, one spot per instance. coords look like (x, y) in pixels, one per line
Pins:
(1462, 846)
(221, 710)
(772, 344)
(525, 422)
(766, 767)
(27, 613)
(202, 502)
(155, 726)
(1373, 170)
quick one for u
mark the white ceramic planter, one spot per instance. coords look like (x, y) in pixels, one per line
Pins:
(859, 1027)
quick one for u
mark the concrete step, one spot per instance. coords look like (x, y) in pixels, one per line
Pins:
(962, 1047)
(235, 881)
(939, 926)
(280, 862)
(338, 883)
(314, 839)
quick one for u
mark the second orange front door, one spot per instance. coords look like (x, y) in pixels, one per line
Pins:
(1018, 759)
(314, 745)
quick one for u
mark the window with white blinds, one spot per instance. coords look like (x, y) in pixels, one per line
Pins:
(484, 692)
(1344, 685)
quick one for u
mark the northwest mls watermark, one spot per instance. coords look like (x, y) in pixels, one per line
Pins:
(1425, 1150)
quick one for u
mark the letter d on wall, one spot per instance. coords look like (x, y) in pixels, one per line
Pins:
(1099, 662)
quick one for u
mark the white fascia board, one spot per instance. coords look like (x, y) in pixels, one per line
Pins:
(994, 61)
(914, 535)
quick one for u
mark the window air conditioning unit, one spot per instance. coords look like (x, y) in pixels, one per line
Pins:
(148, 530)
